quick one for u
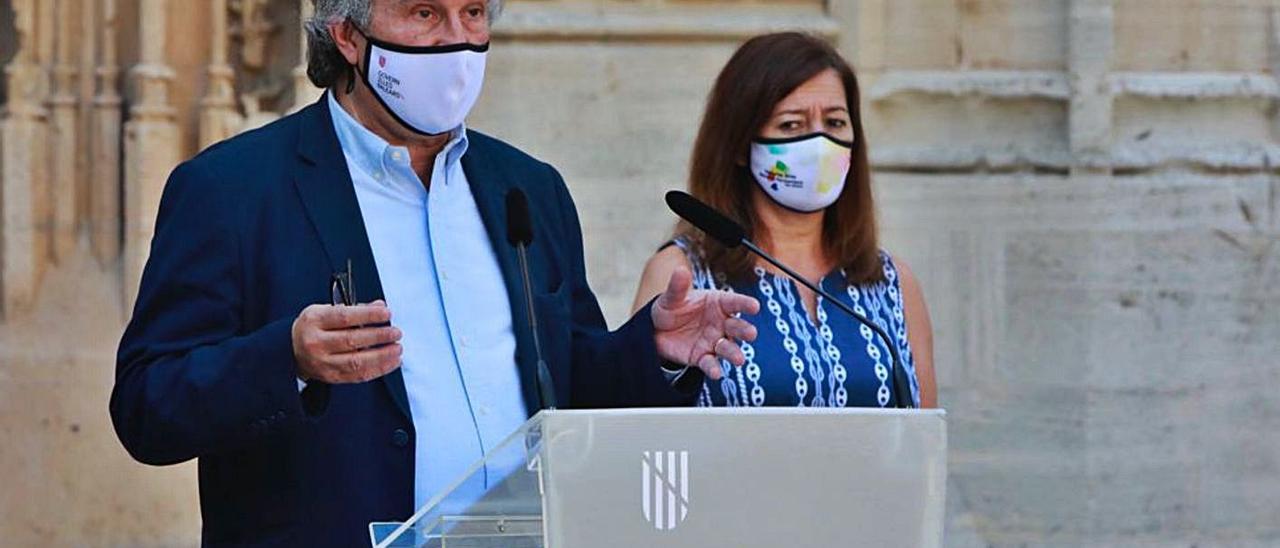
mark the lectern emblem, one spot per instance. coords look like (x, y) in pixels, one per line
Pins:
(665, 478)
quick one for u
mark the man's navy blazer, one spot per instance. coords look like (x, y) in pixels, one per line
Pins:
(248, 234)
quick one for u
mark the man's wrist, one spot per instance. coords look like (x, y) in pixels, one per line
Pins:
(671, 370)
(670, 366)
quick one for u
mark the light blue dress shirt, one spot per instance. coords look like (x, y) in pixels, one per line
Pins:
(441, 279)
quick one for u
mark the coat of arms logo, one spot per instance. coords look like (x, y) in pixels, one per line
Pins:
(664, 476)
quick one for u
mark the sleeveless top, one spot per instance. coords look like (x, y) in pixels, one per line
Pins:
(837, 362)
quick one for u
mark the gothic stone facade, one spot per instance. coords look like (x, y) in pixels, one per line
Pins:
(1087, 188)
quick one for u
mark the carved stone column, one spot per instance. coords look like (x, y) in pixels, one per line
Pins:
(255, 29)
(22, 171)
(218, 117)
(87, 43)
(63, 132)
(104, 194)
(151, 141)
(304, 92)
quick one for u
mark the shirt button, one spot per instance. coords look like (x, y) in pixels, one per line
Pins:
(377, 176)
(395, 156)
(400, 438)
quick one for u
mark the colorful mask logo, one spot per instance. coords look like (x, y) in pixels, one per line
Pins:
(382, 61)
(779, 170)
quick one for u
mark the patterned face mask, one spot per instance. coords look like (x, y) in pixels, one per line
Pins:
(805, 173)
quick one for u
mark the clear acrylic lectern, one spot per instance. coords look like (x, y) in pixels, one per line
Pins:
(697, 477)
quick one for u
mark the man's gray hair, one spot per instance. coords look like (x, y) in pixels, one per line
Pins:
(325, 64)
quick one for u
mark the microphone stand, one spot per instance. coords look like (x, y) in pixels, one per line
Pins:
(543, 375)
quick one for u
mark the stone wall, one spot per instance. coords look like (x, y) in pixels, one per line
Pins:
(1087, 189)
(1089, 195)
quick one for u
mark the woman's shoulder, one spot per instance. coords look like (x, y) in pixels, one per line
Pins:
(896, 262)
(683, 251)
(894, 273)
(682, 243)
(898, 272)
(657, 272)
(667, 259)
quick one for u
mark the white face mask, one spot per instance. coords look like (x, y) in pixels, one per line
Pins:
(804, 173)
(428, 89)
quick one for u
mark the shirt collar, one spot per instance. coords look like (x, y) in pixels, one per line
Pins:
(367, 150)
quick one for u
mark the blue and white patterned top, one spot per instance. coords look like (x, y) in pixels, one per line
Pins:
(836, 363)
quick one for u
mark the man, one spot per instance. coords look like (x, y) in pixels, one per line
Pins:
(311, 419)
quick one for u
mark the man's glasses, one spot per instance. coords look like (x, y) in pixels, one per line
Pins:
(342, 289)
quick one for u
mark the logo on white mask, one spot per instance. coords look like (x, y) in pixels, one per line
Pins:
(428, 89)
(805, 173)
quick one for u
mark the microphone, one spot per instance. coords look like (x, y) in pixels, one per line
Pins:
(730, 234)
(520, 235)
(707, 219)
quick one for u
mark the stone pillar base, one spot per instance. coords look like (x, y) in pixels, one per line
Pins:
(151, 152)
(23, 230)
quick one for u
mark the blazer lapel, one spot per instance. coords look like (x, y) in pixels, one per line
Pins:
(489, 187)
(325, 187)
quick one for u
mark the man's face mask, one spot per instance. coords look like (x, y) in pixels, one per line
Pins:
(805, 173)
(428, 89)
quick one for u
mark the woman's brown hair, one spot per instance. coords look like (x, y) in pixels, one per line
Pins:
(763, 72)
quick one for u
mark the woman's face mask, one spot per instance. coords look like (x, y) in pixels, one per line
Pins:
(428, 89)
(805, 173)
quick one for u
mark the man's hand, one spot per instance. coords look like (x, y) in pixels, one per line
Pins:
(698, 327)
(331, 343)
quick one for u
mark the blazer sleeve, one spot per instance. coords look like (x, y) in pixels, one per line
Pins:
(190, 379)
(610, 369)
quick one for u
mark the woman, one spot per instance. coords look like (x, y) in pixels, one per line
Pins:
(781, 150)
